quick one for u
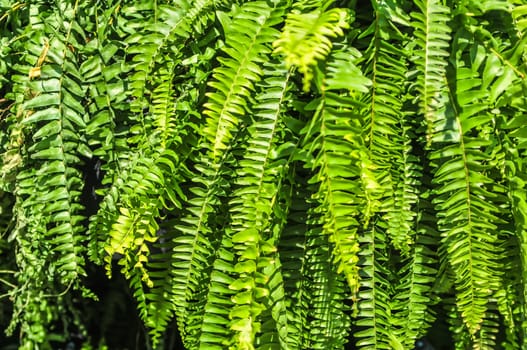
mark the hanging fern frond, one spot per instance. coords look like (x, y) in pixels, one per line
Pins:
(328, 319)
(514, 140)
(134, 231)
(334, 138)
(48, 187)
(168, 29)
(517, 178)
(225, 109)
(292, 250)
(460, 335)
(386, 127)
(208, 325)
(252, 207)
(432, 35)
(374, 310)
(234, 80)
(317, 313)
(306, 38)
(468, 199)
(415, 294)
(108, 109)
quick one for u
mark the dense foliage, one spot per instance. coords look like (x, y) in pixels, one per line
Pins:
(269, 174)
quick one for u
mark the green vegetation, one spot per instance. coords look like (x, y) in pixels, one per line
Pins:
(266, 174)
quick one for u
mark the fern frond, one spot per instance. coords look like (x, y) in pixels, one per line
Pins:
(252, 206)
(514, 140)
(195, 249)
(50, 119)
(374, 310)
(234, 80)
(432, 38)
(414, 294)
(292, 248)
(486, 337)
(468, 200)
(400, 214)
(55, 115)
(518, 196)
(316, 319)
(508, 309)
(500, 65)
(209, 326)
(334, 138)
(328, 321)
(169, 27)
(108, 109)
(315, 293)
(146, 187)
(135, 231)
(458, 330)
(306, 38)
(386, 129)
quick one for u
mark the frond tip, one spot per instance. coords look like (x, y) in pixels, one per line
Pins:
(306, 38)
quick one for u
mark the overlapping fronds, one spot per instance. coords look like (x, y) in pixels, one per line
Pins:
(292, 248)
(252, 208)
(232, 82)
(163, 35)
(234, 79)
(49, 120)
(107, 106)
(279, 174)
(328, 321)
(145, 189)
(386, 130)
(374, 310)
(513, 137)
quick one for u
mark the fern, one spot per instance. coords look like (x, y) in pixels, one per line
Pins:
(306, 38)
(270, 174)
(330, 137)
(432, 37)
(252, 208)
(416, 293)
(134, 231)
(107, 107)
(387, 127)
(292, 250)
(225, 106)
(328, 321)
(468, 208)
(514, 144)
(374, 311)
(48, 188)
(171, 25)
(224, 110)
